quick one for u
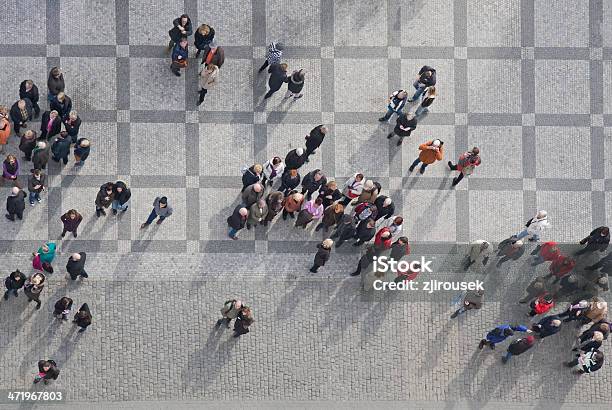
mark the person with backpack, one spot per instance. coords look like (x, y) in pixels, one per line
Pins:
(47, 370)
(468, 161)
(229, 312)
(501, 333)
(397, 101)
(364, 211)
(517, 347)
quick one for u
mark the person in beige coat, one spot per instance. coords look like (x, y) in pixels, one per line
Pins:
(209, 77)
(368, 194)
(596, 311)
(257, 213)
(229, 311)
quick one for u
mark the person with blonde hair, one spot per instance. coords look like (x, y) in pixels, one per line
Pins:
(252, 175)
(332, 215)
(209, 77)
(330, 193)
(5, 127)
(423, 108)
(10, 169)
(203, 36)
(322, 255)
(33, 287)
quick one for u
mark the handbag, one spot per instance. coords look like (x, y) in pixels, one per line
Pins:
(36, 263)
(47, 267)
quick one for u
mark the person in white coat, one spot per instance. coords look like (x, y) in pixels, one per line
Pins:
(352, 188)
(478, 251)
(273, 168)
(535, 227)
(395, 225)
(209, 77)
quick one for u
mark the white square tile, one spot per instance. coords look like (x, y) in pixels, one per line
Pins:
(327, 118)
(461, 118)
(500, 150)
(193, 181)
(597, 185)
(327, 52)
(529, 184)
(53, 50)
(261, 246)
(191, 117)
(461, 53)
(562, 87)
(561, 23)
(597, 120)
(596, 53)
(528, 120)
(562, 152)
(394, 52)
(123, 50)
(193, 246)
(123, 116)
(395, 183)
(124, 247)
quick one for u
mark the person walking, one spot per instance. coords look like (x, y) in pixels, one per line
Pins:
(62, 308)
(47, 370)
(292, 203)
(468, 161)
(575, 310)
(13, 282)
(314, 139)
(10, 170)
(311, 211)
(229, 312)
(594, 341)
(81, 151)
(72, 124)
(295, 85)
(271, 169)
(182, 28)
(213, 54)
(71, 221)
(472, 300)
(428, 99)
(322, 255)
(397, 100)
(561, 267)
(345, 230)
(251, 175)
(431, 151)
(548, 326)
(275, 206)
(50, 125)
(598, 240)
(278, 76)
(517, 347)
(76, 265)
(588, 362)
(510, 249)
(352, 188)
(29, 90)
(289, 181)
(425, 78)
(180, 56)
(368, 193)
(535, 227)
(404, 125)
(312, 182)
(21, 112)
(546, 252)
(295, 159)
(243, 321)
(602, 327)
(5, 127)
(501, 333)
(27, 143)
(104, 198)
(541, 305)
(329, 193)
(332, 215)
(237, 220)
(365, 231)
(274, 55)
(252, 194)
(33, 286)
(209, 77)
(36, 184)
(161, 209)
(55, 83)
(62, 104)
(61, 147)
(40, 155)
(121, 197)
(596, 311)
(257, 213)
(478, 251)
(83, 318)
(202, 37)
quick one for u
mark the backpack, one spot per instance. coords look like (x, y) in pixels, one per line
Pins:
(363, 211)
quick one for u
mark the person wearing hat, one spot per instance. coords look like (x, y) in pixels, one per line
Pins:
(295, 84)
(274, 54)
(478, 251)
(182, 28)
(534, 228)
(278, 76)
(33, 287)
(431, 151)
(161, 209)
(598, 240)
(81, 151)
(36, 184)
(541, 305)
(295, 159)
(76, 265)
(237, 220)
(180, 55)
(15, 204)
(322, 255)
(13, 282)
(468, 161)
(40, 155)
(501, 333)
(517, 347)
(404, 125)
(473, 299)
(213, 54)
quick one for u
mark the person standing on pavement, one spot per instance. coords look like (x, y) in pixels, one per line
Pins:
(40, 155)
(229, 312)
(404, 125)
(541, 305)
(243, 321)
(423, 108)
(36, 184)
(295, 85)
(76, 265)
(257, 213)
(27, 143)
(182, 28)
(83, 318)
(271, 169)
(33, 286)
(275, 206)
(5, 127)
(47, 370)
(237, 221)
(322, 255)
(384, 206)
(329, 193)
(81, 151)
(431, 151)
(161, 209)
(425, 78)
(252, 175)
(473, 299)
(252, 194)
(13, 282)
(274, 55)
(21, 112)
(561, 267)
(365, 231)
(180, 56)
(312, 182)
(315, 139)
(62, 104)
(352, 188)
(546, 252)
(345, 230)
(598, 240)
(72, 124)
(501, 333)
(10, 170)
(213, 54)
(209, 77)
(29, 90)
(311, 211)
(55, 83)
(202, 37)
(278, 76)
(50, 125)
(468, 161)
(588, 362)
(295, 159)
(289, 181)
(517, 347)
(368, 193)
(395, 226)
(478, 251)
(62, 308)
(535, 227)
(121, 197)
(510, 249)
(104, 198)
(15, 204)
(292, 203)
(44, 255)
(61, 148)
(332, 215)
(397, 101)
(71, 220)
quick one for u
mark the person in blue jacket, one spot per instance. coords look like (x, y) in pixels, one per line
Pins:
(501, 333)
(180, 55)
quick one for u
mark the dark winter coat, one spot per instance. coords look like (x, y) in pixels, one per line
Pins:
(290, 182)
(383, 211)
(398, 250)
(27, 145)
(71, 225)
(63, 108)
(61, 147)
(64, 303)
(275, 204)
(294, 161)
(32, 182)
(404, 126)
(235, 220)
(181, 52)
(15, 112)
(295, 83)
(125, 193)
(329, 196)
(344, 230)
(519, 346)
(428, 82)
(55, 85)
(309, 183)
(278, 76)
(250, 177)
(31, 95)
(201, 41)
(82, 152)
(72, 128)
(315, 138)
(363, 232)
(56, 126)
(11, 284)
(242, 323)
(76, 268)
(322, 255)
(176, 34)
(104, 200)
(16, 204)
(53, 371)
(40, 157)
(83, 317)
(249, 196)
(330, 217)
(546, 328)
(587, 334)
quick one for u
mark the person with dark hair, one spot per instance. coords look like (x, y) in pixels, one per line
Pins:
(275, 206)
(366, 229)
(598, 240)
(104, 199)
(36, 184)
(278, 76)
(431, 151)
(329, 193)
(13, 282)
(541, 305)
(5, 127)
(180, 56)
(468, 161)
(47, 370)
(517, 347)
(397, 100)
(243, 321)
(425, 78)
(62, 308)
(161, 209)
(213, 55)
(352, 188)
(404, 125)
(312, 182)
(208, 78)
(273, 168)
(501, 333)
(274, 54)
(181, 29)
(76, 265)
(295, 159)
(428, 99)
(229, 312)
(311, 211)
(473, 299)
(257, 213)
(314, 139)
(83, 318)
(345, 229)
(548, 326)
(61, 147)
(295, 85)
(289, 181)
(71, 220)
(73, 124)
(33, 286)
(55, 83)
(121, 197)
(62, 104)
(29, 90)
(332, 215)
(588, 362)
(27, 143)
(21, 112)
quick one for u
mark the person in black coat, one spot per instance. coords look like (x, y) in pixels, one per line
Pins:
(62, 307)
(81, 151)
(385, 207)
(55, 83)
(121, 196)
(312, 182)
(278, 76)
(345, 230)
(83, 317)
(315, 139)
(296, 83)
(237, 220)
(203, 36)
(21, 112)
(62, 104)
(365, 231)
(295, 159)
(548, 326)
(404, 125)
(243, 321)
(181, 28)
(50, 125)
(40, 155)
(61, 148)
(47, 370)
(426, 78)
(251, 176)
(29, 90)
(289, 181)
(15, 204)
(329, 193)
(27, 143)
(73, 124)
(76, 265)
(598, 240)
(322, 255)
(13, 283)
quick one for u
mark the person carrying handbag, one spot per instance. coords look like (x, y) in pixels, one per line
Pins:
(180, 54)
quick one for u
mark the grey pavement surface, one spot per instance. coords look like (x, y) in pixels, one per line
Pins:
(528, 81)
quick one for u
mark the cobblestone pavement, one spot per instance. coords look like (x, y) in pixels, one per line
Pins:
(517, 78)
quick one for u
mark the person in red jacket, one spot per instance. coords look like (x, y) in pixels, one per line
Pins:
(561, 266)
(383, 238)
(541, 305)
(547, 252)
(468, 161)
